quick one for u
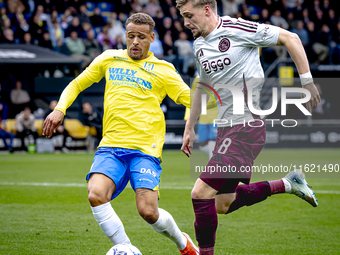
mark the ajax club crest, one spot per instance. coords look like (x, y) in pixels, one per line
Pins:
(224, 45)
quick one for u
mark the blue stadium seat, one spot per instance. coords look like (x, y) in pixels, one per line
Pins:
(106, 18)
(90, 6)
(105, 7)
(97, 30)
(253, 10)
(27, 16)
(10, 15)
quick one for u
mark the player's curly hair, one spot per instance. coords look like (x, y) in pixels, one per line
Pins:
(197, 3)
(141, 19)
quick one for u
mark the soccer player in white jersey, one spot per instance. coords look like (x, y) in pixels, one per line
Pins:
(133, 131)
(227, 54)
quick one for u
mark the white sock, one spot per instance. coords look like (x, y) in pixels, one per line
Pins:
(167, 226)
(204, 148)
(211, 146)
(110, 223)
(288, 186)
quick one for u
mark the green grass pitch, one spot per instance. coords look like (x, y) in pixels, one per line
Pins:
(44, 209)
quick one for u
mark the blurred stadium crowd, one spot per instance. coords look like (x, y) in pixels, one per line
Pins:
(83, 29)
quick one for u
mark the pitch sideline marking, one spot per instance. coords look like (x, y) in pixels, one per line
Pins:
(81, 185)
(41, 184)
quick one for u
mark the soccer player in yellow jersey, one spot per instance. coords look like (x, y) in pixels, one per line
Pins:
(133, 130)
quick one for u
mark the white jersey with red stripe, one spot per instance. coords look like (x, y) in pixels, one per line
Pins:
(229, 55)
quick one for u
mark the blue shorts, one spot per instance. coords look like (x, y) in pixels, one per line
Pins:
(206, 132)
(123, 165)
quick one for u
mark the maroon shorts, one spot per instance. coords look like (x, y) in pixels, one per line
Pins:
(235, 151)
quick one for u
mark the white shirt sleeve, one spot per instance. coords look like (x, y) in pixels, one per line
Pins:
(253, 34)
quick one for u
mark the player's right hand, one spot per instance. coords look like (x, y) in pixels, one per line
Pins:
(52, 122)
(315, 96)
(188, 141)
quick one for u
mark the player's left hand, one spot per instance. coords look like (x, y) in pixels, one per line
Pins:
(315, 96)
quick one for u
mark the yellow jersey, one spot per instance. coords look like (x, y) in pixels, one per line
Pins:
(134, 90)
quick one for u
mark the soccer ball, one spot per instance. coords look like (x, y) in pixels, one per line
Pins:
(123, 249)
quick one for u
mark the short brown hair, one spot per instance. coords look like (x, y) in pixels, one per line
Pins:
(197, 3)
(141, 19)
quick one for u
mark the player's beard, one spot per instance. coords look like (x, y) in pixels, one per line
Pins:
(196, 34)
(136, 56)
